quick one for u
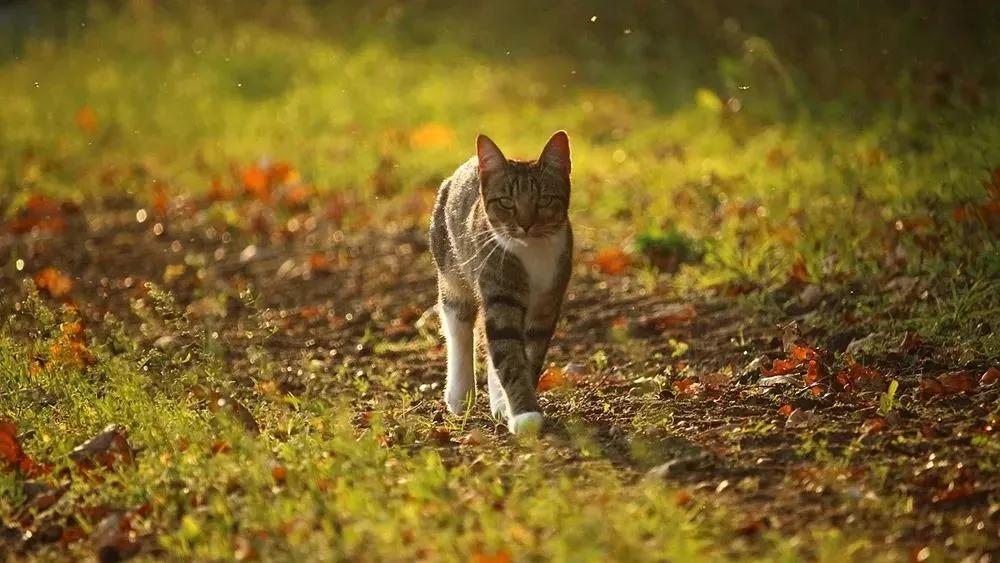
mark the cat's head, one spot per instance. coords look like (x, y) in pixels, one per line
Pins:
(525, 199)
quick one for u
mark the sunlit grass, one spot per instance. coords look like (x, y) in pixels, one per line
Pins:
(179, 101)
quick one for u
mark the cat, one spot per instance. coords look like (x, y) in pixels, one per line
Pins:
(502, 243)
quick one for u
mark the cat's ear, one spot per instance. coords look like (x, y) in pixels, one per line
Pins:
(556, 153)
(491, 160)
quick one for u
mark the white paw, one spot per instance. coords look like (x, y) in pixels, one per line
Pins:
(458, 399)
(498, 406)
(525, 424)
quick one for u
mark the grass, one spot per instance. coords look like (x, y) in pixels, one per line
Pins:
(377, 120)
(313, 487)
(734, 171)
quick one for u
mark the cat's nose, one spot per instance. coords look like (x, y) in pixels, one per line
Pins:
(525, 224)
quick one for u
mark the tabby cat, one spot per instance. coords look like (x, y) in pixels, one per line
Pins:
(503, 246)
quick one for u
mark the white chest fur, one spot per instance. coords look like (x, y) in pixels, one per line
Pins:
(540, 259)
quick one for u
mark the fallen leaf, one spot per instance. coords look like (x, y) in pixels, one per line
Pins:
(688, 386)
(318, 263)
(930, 387)
(612, 261)
(714, 379)
(781, 367)
(440, 435)
(86, 119)
(105, 449)
(14, 458)
(682, 498)
(551, 378)
(803, 352)
(10, 449)
(256, 182)
(473, 438)
(279, 473)
(431, 136)
(956, 382)
(990, 377)
(785, 410)
(799, 273)
(668, 316)
(872, 425)
(856, 375)
(53, 282)
(39, 213)
(498, 557)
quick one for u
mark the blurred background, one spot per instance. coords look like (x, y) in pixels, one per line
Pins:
(753, 134)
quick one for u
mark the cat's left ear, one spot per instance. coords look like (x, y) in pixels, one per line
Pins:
(556, 153)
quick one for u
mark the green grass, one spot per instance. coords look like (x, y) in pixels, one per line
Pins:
(179, 99)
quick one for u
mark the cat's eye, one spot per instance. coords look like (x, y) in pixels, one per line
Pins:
(507, 203)
(546, 201)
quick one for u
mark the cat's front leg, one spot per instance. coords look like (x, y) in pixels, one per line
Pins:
(505, 344)
(541, 326)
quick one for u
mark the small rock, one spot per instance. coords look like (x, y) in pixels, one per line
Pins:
(777, 380)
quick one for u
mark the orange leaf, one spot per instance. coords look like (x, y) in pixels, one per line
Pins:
(785, 410)
(551, 378)
(53, 282)
(990, 377)
(431, 136)
(498, 557)
(282, 173)
(319, 263)
(874, 424)
(682, 498)
(687, 386)
(612, 261)
(86, 119)
(799, 272)
(10, 449)
(255, 180)
(279, 473)
(803, 352)
(781, 367)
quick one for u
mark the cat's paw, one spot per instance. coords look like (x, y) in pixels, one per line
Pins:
(525, 424)
(458, 400)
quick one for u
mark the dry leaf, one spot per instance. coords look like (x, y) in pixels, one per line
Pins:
(53, 282)
(612, 261)
(781, 367)
(432, 136)
(86, 120)
(551, 378)
(105, 449)
(498, 557)
(990, 377)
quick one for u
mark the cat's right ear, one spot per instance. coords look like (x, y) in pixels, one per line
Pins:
(491, 160)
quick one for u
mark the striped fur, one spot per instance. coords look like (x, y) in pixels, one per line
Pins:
(502, 244)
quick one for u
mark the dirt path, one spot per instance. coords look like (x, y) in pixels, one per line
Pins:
(666, 387)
